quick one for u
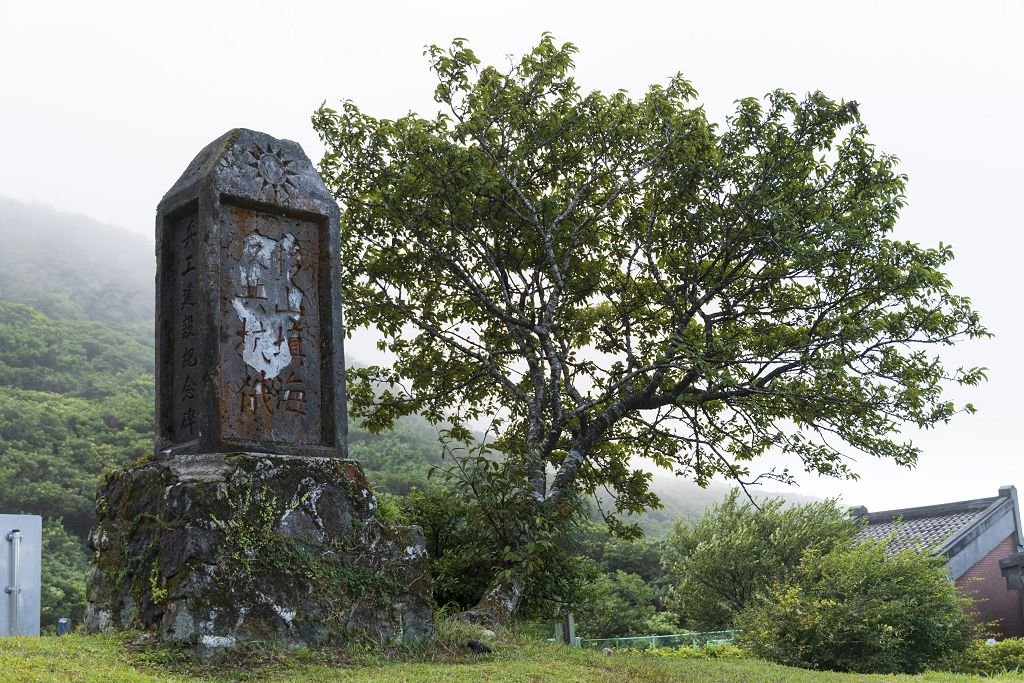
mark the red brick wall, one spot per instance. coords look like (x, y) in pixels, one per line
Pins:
(992, 600)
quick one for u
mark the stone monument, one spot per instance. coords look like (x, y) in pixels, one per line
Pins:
(249, 524)
(249, 335)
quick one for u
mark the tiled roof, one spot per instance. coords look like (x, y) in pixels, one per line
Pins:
(931, 527)
(928, 532)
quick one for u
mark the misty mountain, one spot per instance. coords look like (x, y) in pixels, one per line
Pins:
(73, 267)
(684, 500)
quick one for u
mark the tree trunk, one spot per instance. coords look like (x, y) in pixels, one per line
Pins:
(497, 605)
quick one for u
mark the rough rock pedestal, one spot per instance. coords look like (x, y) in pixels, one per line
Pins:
(249, 524)
(212, 551)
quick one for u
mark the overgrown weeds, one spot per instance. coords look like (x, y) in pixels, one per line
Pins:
(258, 660)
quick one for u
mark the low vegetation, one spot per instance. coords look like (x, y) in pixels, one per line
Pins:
(113, 658)
(737, 549)
(990, 658)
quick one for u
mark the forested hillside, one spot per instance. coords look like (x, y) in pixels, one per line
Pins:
(77, 401)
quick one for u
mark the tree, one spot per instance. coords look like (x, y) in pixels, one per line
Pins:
(607, 278)
(738, 550)
(641, 556)
(858, 609)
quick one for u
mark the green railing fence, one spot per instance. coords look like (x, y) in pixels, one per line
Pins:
(691, 639)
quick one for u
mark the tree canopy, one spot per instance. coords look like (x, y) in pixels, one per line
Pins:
(606, 277)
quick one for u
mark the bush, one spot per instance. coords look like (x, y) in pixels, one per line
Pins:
(737, 550)
(621, 604)
(982, 659)
(466, 539)
(858, 609)
(460, 564)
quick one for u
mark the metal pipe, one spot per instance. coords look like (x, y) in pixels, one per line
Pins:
(14, 589)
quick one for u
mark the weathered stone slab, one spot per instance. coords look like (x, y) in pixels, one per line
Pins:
(249, 329)
(213, 551)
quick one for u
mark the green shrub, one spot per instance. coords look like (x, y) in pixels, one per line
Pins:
(982, 659)
(457, 545)
(389, 509)
(472, 521)
(858, 609)
(737, 550)
(620, 604)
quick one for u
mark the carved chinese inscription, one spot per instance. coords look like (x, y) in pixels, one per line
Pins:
(184, 369)
(268, 302)
(271, 386)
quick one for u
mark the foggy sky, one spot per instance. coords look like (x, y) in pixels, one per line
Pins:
(103, 105)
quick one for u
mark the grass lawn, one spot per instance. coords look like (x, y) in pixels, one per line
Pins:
(110, 658)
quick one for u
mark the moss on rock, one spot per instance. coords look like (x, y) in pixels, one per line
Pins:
(212, 551)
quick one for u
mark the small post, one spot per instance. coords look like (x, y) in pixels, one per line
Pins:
(14, 589)
(569, 630)
(565, 631)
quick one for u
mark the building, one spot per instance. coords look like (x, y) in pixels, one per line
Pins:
(972, 536)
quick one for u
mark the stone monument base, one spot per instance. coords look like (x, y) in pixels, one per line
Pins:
(213, 551)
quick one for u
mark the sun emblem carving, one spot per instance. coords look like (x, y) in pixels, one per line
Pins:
(272, 171)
